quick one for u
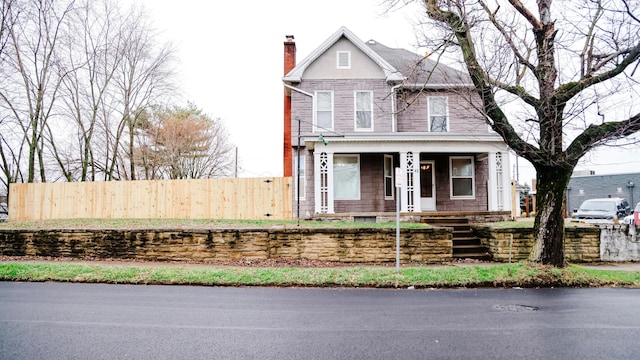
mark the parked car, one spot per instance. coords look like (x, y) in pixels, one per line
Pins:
(635, 214)
(602, 210)
(4, 212)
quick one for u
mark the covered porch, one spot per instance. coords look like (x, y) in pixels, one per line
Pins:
(441, 173)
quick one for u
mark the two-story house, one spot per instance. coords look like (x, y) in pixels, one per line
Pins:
(355, 111)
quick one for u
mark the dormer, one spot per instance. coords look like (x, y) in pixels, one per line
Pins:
(343, 55)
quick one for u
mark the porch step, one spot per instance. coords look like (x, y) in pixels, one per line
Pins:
(465, 244)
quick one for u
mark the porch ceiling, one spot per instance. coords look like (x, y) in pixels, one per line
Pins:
(403, 142)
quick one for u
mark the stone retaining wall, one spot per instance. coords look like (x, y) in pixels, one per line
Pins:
(434, 245)
(619, 243)
(581, 244)
(344, 245)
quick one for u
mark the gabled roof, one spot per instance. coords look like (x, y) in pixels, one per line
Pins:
(420, 70)
(399, 65)
(295, 75)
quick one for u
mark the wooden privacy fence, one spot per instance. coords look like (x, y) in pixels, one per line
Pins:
(237, 198)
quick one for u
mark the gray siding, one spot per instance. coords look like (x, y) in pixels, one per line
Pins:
(444, 202)
(463, 117)
(307, 208)
(602, 186)
(325, 66)
(343, 107)
(371, 188)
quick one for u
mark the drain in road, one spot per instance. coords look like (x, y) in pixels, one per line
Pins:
(516, 308)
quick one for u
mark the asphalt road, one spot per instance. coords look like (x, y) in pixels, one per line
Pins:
(97, 321)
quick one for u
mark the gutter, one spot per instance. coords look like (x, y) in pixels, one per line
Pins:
(296, 89)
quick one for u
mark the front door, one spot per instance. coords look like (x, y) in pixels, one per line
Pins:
(427, 186)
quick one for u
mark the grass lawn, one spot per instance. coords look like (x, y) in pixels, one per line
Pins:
(502, 275)
(193, 224)
(522, 274)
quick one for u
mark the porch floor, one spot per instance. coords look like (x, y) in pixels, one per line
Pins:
(472, 216)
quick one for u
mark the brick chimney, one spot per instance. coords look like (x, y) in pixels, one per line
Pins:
(289, 63)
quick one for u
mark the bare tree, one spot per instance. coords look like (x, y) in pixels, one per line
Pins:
(547, 77)
(94, 55)
(30, 74)
(75, 77)
(7, 15)
(184, 143)
(142, 79)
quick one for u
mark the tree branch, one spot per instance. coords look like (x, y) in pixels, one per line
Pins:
(626, 5)
(517, 4)
(585, 66)
(506, 36)
(499, 122)
(518, 91)
(596, 135)
(567, 91)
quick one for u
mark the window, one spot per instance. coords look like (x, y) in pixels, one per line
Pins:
(462, 177)
(364, 110)
(388, 177)
(346, 177)
(343, 59)
(324, 110)
(301, 177)
(438, 114)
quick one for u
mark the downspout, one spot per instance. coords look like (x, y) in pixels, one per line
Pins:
(394, 117)
(394, 126)
(298, 153)
(301, 92)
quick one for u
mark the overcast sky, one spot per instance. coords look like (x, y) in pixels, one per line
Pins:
(231, 65)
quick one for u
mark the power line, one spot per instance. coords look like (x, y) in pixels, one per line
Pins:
(613, 164)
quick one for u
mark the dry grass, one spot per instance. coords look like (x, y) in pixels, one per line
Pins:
(190, 224)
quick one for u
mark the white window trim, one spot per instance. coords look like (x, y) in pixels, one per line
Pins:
(315, 111)
(384, 177)
(355, 110)
(429, 98)
(357, 156)
(303, 184)
(473, 178)
(345, 67)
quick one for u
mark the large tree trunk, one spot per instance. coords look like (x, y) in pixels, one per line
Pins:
(549, 225)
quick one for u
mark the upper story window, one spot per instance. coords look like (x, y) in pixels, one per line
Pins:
(363, 110)
(324, 111)
(438, 113)
(343, 59)
(462, 177)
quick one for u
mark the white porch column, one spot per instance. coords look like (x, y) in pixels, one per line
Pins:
(493, 184)
(330, 209)
(323, 181)
(403, 189)
(417, 203)
(499, 186)
(317, 181)
(410, 199)
(506, 179)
